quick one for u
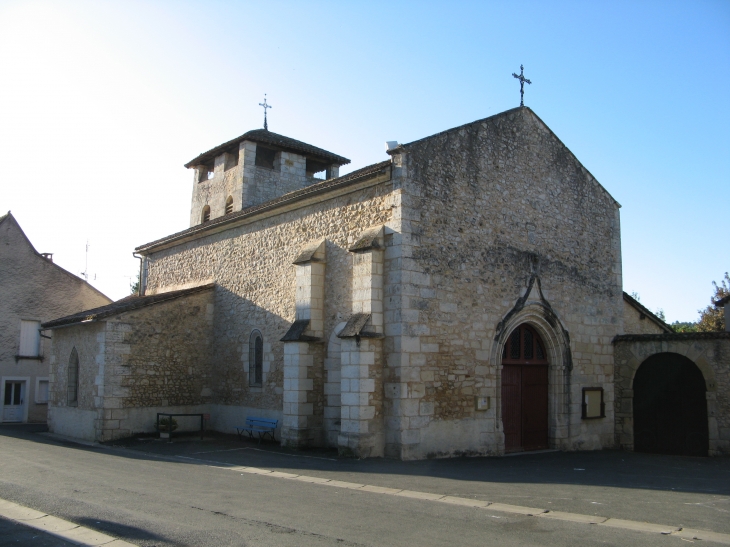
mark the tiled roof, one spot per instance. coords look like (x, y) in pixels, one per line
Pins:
(641, 309)
(267, 137)
(723, 301)
(314, 189)
(129, 303)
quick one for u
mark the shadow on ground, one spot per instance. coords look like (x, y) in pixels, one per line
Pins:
(607, 468)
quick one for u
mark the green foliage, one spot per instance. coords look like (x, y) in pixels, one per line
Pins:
(684, 326)
(660, 314)
(712, 319)
(134, 287)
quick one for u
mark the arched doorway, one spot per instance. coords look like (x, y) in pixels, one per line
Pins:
(670, 407)
(524, 391)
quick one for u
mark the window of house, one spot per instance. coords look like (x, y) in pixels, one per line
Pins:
(229, 205)
(30, 339)
(255, 359)
(206, 214)
(73, 378)
(41, 391)
(265, 157)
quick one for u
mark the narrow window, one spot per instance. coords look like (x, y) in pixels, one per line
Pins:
(30, 339)
(229, 205)
(73, 379)
(265, 157)
(206, 213)
(255, 359)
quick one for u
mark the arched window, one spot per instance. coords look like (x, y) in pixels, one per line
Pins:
(206, 213)
(229, 205)
(72, 387)
(255, 359)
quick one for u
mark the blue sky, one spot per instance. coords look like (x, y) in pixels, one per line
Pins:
(103, 102)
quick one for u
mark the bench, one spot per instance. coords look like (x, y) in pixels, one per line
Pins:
(262, 426)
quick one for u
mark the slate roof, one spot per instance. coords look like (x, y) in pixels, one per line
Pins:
(723, 301)
(267, 137)
(641, 309)
(127, 304)
(313, 190)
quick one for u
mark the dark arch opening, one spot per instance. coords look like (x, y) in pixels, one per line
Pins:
(670, 407)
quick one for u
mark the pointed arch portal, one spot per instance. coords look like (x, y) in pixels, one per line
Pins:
(525, 374)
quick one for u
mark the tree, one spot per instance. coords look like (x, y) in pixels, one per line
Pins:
(712, 318)
(684, 326)
(134, 287)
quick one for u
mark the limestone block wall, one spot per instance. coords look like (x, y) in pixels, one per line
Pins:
(634, 324)
(227, 181)
(84, 420)
(709, 351)
(252, 265)
(262, 184)
(154, 359)
(487, 208)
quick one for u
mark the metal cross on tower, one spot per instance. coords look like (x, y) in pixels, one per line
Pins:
(266, 107)
(522, 80)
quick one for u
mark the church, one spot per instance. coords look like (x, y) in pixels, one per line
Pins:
(462, 297)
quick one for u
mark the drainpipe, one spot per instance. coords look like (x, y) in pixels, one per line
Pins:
(142, 281)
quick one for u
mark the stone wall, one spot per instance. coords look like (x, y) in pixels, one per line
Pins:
(82, 420)
(490, 209)
(252, 266)
(215, 191)
(709, 351)
(636, 322)
(153, 359)
(33, 288)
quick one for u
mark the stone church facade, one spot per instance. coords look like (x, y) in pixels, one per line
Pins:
(460, 298)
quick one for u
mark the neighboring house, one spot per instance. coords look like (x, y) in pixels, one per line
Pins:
(32, 289)
(463, 297)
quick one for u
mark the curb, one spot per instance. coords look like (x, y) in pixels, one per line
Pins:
(60, 528)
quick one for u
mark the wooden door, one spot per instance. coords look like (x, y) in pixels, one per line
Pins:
(670, 407)
(524, 391)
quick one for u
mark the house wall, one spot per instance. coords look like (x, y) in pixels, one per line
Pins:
(487, 208)
(252, 266)
(33, 288)
(634, 324)
(710, 352)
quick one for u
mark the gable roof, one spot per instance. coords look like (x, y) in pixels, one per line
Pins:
(641, 309)
(265, 136)
(12, 220)
(501, 115)
(127, 304)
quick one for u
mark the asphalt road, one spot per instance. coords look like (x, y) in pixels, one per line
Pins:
(158, 494)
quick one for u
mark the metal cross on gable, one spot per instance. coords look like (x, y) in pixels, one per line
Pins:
(522, 80)
(266, 107)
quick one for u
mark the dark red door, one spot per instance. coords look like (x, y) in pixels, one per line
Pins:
(524, 391)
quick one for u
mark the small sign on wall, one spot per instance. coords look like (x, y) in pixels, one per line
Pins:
(592, 404)
(482, 403)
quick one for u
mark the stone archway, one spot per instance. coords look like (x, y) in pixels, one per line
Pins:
(670, 407)
(541, 318)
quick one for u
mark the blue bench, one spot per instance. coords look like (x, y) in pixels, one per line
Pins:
(262, 426)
